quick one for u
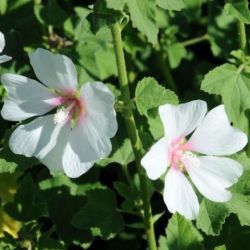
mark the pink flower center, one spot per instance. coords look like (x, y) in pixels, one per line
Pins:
(70, 107)
(180, 155)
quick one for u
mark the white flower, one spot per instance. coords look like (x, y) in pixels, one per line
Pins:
(78, 134)
(212, 175)
(3, 58)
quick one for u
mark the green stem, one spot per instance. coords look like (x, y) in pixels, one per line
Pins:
(133, 134)
(242, 36)
(166, 71)
(195, 40)
(243, 46)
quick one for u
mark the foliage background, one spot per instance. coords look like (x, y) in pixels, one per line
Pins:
(170, 46)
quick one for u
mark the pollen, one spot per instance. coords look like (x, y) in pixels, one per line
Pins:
(61, 116)
(190, 159)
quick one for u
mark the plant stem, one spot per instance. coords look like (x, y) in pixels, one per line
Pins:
(166, 71)
(243, 46)
(195, 40)
(132, 133)
(242, 36)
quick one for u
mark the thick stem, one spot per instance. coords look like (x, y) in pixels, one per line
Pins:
(242, 36)
(243, 46)
(132, 133)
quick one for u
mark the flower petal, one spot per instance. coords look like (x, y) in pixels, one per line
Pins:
(35, 138)
(215, 135)
(99, 101)
(180, 120)
(2, 42)
(55, 71)
(156, 160)
(72, 164)
(53, 158)
(5, 58)
(179, 195)
(26, 98)
(214, 175)
(88, 143)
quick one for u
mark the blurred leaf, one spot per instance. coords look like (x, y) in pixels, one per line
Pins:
(234, 87)
(171, 4)
(51, 14)
(222, 247)
(100, 214)
(116, 4)
(61, 180)
(182, 234)
(8, 224)
(28, 202)
(9, 161)
(62, 207)
(163, 243)
(3, 6)
(238, 9)
(176, 52)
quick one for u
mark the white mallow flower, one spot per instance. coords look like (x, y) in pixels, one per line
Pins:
(3, 58)
(213, 136)
(73, 137)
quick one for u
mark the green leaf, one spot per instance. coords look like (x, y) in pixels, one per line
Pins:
(104, 16)
(28, 203)
(115, 4)
(98, 58)
(182, 234)
(222, 247)
(62, 180)
(149, 94)
(51, 14)
(176, 52)
(142, 15)
(239, 9)
(9, 161)
(171, 4)
(3, 6)
(234, 87)
(163, 243)
(240, 205)
(122, 152)
(211, 217)
(99, 214)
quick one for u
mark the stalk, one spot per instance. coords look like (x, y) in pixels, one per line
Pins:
(133, 134)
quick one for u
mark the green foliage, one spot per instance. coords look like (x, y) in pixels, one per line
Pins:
(103, 208)
(182, 234)
(9, 162)
(51, 14)
(142, 14)
(149, 95)
(99, 214)
(238, 9)
(233, 85)
(171, 4)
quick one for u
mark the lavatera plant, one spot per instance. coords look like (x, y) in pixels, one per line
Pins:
(200, 156)
(78, 130)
